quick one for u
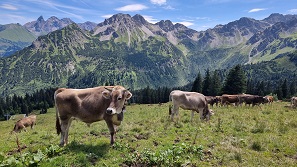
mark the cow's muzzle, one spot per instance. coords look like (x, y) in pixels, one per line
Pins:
(110, 111)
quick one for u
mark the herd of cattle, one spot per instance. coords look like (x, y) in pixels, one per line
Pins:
(239, 99)
(108, 103)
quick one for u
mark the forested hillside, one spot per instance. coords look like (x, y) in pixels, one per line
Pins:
(132, 52)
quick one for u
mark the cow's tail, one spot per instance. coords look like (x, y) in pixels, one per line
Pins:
(58, 125)
(170, 105)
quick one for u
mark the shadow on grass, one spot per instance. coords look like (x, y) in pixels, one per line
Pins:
(100, 150)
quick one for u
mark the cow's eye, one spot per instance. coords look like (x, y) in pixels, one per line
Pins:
(119, 98)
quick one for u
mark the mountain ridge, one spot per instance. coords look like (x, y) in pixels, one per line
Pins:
(135, 53)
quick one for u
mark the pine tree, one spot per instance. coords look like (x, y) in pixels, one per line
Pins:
(250, 86)
(235, 82)
(260, 88)
(206, 85)
(267, 88)
(293, 88)
(285, 89)
(279, 93)
(215, 84)
(197, 85)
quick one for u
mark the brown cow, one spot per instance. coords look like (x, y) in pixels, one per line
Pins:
(253, 99)
(269, 99)
(228, 99)
(212, 100)
(24, 122)
(90, 105)
(189, 101)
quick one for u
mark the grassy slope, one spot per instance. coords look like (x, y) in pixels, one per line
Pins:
(242, 136)
(15, 33)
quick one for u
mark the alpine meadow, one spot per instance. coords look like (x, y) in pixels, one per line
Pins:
(245, 70)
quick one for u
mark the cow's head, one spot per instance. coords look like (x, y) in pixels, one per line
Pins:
(118, 96)
(207, 113)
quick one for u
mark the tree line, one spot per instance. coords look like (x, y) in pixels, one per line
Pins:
(40, 101)
(217, 82)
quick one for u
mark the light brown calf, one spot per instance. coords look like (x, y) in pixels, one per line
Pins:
(24, 122)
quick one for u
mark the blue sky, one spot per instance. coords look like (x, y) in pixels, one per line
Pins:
(195, 14)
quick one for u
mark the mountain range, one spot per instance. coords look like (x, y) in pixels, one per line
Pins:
(133, 52)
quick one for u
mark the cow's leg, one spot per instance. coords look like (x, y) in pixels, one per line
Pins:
(112, 131)
(177, 113)
(24, 127)
(201, 110)
(67, 131)
(192, 115)
(64, 131)
(174, 112)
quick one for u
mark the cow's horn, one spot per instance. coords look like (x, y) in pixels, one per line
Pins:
(108, 89)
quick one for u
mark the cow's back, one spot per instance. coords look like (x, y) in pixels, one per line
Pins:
(87, 105)
(188, 100)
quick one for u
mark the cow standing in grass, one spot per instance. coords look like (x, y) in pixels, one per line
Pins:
(269, 99)
(230, 99)
(24, 122)
(294, 102)
(189, 101)
(90, 105)
(212, 100)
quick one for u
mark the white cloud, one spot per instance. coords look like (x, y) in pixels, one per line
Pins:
(202, 18)
(150, 19)
(107, 16)
(169, 7)
(293, 11)
(158, 2)
(131, 8)
(9, 18)
(9, 7)
(256, 10)
(186, 23)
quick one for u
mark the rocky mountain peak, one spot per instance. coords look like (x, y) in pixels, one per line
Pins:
(166, 25)
(139, 19)
(53, 18)
(42, 27)
(274, 18)
(180, 26)
(87, 25)
(117, 18)
(40, 19)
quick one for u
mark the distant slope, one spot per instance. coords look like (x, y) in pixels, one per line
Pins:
(14, 37)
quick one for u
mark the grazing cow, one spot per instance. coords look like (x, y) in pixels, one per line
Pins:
(219, 99)
(212, 100)
(90, 105)
(189, 101)
(24, 122)
(253, 99)
(294, 102)
(228, 99)
(269, 99)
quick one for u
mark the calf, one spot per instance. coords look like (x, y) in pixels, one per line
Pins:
(24, 122)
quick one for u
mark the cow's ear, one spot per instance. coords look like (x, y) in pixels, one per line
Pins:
(106, 94)
(128, 95)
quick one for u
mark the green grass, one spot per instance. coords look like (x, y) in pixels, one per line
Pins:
(235, 136)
